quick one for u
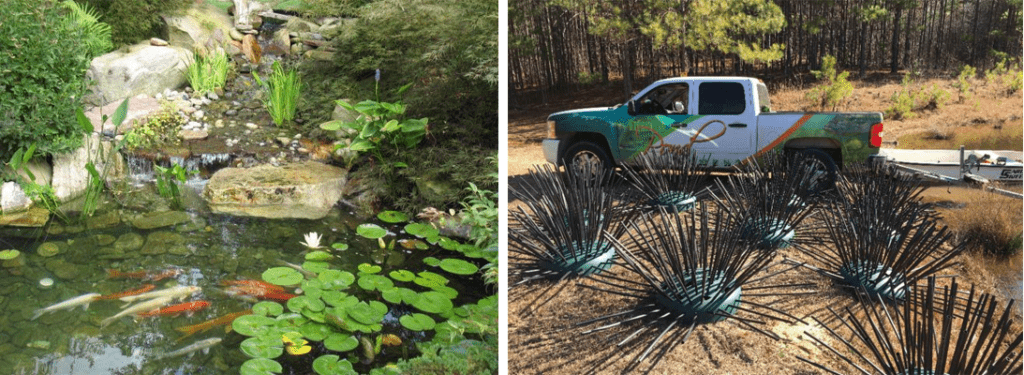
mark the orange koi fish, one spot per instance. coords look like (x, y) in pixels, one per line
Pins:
(280, 297)
(201, 327)
(253, 284)
(143, 289)
(187, 307)
(144, 275)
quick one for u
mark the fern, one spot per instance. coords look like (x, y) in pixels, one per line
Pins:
(96, 34)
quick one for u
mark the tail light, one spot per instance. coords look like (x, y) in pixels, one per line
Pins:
(876, 135)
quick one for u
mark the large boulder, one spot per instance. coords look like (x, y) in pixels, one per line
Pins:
(13, 199)
(198, 28)
(70, 176)
(303, 190)
(139, 108)
(40, 169)
(139, 69)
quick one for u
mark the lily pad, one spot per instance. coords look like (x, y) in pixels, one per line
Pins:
(9, 254)
(399, 295)
(339, 246)
(375, 282)
(371, 231)
(333, 298)
(421, 230)
(433, 302)
(335, 279)
(316, 316)
(299, 303)
(267, 308)
(260, 366)
(340, 342)
(458, 266)
(434, 277)
(431, 261)
(252, 325)
(392, 217)
(282, 276)
(331, 364)
(448, 243)
(315, 331)
(402, 275)
(319, 256)
(368, 268)
(315, 267)
(365, 314)
(258, 347)
(417, 322)
(312, 288)
(410, 244)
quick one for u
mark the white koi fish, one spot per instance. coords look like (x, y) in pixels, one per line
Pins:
(177, 292)
(82, 300)
(203, 345)
(146, 306)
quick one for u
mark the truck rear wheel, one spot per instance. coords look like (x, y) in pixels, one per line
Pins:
(824, 169)
(583, 153)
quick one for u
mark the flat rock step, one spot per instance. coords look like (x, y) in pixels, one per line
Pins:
(305, 190)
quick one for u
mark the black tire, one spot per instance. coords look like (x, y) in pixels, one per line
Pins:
(586, 152)
(825, 168)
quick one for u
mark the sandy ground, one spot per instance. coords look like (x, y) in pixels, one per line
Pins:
(544, 337)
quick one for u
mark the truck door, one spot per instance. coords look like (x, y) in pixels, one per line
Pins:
(722, 129)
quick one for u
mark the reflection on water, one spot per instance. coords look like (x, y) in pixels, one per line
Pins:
(1010, 279)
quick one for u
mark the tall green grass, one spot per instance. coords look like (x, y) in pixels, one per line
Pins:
(207, 73)
(283, 89)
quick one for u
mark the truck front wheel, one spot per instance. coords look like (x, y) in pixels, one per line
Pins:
(583, 153)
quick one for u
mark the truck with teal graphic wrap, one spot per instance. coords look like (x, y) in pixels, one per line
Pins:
(723, 120)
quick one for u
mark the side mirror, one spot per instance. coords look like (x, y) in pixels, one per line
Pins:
(631, 107)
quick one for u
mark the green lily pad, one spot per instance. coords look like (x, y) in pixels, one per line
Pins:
(458, 266)
(335, 279)
(402, 275)
(365, 314)
(371, 231)
(448, 243)
(331, 364)
(417, 322)
(421, 230)
(316, 316)
(252, 325)
(258, 347)
(399, 295)
(435, 277)
(375, 282)
(260, 366)
(431, 261)
(340, 342)
(299, 303)
(449, 292)
(333, 298)
(319, 256)
(379, 307)
(368, 268)
(315, 267)
(9, 254)
(433, 302)
(282, 276)
(267, 308)
(315, 331)
(339, 246)
(392, 217)
(312, 288)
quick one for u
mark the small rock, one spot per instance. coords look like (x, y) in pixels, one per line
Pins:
(284, 140)
(235, 103)
(193, 125)
(247, 132)
(191, 134)
(303, 150)
(188, 90)
(235, 34)
(196, 102)
(158, 96)
(199, 115)
(160, 219)
(212, 96)
(205, 101)
(157, 42)
(188, 110)
(251, 125)
(218, 124)
(231, 112)
(297, 136)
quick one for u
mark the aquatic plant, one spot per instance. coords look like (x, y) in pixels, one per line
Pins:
(283, 91)
(311, 240)
(208, 72)
(167, 180)
(381, 128)
(689, 274)
(669, 178)
(947, 333)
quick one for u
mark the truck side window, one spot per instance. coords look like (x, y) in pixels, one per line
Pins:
(722, 98)
(666, 99)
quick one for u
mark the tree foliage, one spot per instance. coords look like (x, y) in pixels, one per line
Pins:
(834, 87)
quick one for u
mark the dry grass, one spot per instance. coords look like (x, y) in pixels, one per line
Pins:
(991, 223)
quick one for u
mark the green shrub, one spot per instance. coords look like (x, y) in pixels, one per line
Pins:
(208, 73)
(381, 128)
(834, 87)
(95, 34)
(935, 98)
(41, 78)
(156, 130)
(283, 91)
(136, 20)
(903, 105)
(1013, 81)
(963, 81)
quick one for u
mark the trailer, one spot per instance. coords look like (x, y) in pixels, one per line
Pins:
(960, 167)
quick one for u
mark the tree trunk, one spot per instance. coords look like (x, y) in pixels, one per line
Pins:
(894, 64)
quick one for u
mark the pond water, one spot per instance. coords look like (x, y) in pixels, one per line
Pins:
(207, 249)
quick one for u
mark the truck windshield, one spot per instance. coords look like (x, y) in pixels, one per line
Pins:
(762, 98)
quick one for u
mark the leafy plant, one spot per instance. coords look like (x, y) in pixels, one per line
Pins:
(38, 193)
(136, 19)
(903, 102)
(96, 34)
(167, 180)
(94, 189)
(934, 98)
(834, 88)
(156, 130)
(208, 72)
(381, 127)
(284, 90)
(963, 81)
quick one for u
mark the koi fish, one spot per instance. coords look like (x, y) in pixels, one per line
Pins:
(187, 307)
(203, 345)
(226, 319)
(239, 291)
(280, 297)
(177, 292)
(82, 300)
(143, 289)
(253, 284)
(144, 275)
(150, 305)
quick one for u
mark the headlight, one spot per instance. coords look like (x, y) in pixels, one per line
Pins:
(551, 130)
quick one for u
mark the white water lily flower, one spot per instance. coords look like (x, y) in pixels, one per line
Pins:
(312, 240)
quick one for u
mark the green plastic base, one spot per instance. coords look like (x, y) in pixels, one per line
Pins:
(878, 280)
(599, 257)
(676, 200)
(768, 233)
(686, 297)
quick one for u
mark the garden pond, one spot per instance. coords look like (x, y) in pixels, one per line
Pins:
(373, 289)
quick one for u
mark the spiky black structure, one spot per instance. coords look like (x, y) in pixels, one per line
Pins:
(883, 240)
(559, 232)
(688, 274)
(668, 178)
(941, 335)
(769, 202)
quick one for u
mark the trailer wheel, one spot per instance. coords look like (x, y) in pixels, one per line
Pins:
(823, 177)
(589, 153)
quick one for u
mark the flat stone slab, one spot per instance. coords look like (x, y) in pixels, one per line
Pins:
(32, 217)
(153, 220)
(305, 190)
